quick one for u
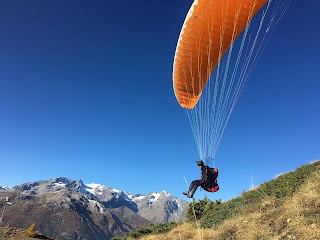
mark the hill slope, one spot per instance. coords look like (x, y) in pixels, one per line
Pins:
(10, 233)
(287, 207)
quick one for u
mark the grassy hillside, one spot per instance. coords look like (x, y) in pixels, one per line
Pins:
(10, 233)
(287, 207)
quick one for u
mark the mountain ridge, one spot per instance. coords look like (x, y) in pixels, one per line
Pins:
(70, 209)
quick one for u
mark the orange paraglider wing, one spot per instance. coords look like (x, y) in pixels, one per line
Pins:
(209, 29)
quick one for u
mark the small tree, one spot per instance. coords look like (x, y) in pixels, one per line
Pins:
(196, 209)
(31, 231)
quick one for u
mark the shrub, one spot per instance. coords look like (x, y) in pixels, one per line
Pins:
(151, 229)
(195, 209)
(31, 231)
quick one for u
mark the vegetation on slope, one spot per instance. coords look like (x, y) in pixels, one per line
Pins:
(10, 233)
(151, 229)
(287, 207)
(215, 213)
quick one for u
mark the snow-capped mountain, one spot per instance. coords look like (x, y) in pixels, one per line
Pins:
(161, 207)
(156, 206)
(3, 188)
(94, 210)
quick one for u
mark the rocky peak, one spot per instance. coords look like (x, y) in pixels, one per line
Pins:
(155, 206)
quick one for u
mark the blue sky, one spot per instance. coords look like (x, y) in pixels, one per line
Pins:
(86, 93)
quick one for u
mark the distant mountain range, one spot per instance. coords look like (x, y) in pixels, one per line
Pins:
(3, 188)
(67, 209)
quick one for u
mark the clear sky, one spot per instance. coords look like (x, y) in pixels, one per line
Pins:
(86, 93)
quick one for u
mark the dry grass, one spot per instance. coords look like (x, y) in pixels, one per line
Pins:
(297, 217)
(10, 233)
(183, 231)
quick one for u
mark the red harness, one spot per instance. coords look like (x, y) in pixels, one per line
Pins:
(213, 189)
(216, 188)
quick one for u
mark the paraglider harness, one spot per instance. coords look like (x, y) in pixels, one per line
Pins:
(213, 185)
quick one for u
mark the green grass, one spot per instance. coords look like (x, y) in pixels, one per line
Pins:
(212, 214)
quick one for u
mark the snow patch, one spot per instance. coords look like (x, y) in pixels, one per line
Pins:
(154, 197)
(59, 184)
(116, 190)
(95, 188)
(166, 193)
(98, 189)
(140, 197)
(134, 197)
